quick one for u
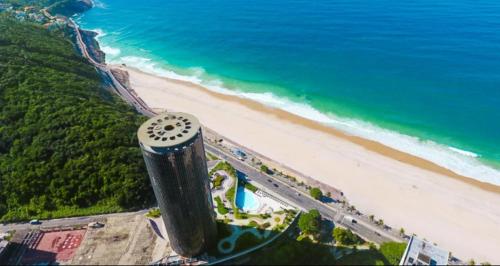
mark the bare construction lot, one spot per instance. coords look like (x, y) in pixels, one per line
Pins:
(125, 239)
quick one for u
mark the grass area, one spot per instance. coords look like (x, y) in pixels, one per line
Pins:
(220, 206)
(253, 223)
(217, 182)
(288, 251)
(250, 187)
(211, 157)
(388, 254)
(226, 167)
(153, 213)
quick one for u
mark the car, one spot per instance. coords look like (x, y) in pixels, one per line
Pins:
(35, 222)
(96, 225)
(269, 180)
(275, 185)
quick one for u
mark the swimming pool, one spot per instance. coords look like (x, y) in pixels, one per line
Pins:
(246, 199)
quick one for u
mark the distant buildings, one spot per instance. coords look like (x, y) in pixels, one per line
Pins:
(172, 146)
(421, 252)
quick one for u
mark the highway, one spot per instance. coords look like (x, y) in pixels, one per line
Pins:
(64, 222)
(368, 231)
(126, 94)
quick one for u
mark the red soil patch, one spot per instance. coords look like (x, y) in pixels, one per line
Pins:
(54, 246)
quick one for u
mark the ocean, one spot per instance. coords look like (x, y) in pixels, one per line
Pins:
(419, 76)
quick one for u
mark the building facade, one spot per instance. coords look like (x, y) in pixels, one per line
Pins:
(172, 147)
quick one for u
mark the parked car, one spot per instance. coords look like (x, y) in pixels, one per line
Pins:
(96, 225)
(35, 222)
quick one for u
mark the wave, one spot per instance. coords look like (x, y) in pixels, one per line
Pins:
(108, 50)
(98, 4)
(100, 34)
(462, 162)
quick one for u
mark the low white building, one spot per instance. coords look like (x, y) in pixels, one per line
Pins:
(421, 252)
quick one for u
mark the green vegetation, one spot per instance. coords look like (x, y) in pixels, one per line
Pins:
(316, 193)
(346, 237)
(245, 241)
(389, 253)
(226, 167)
(288, 251)
(310, 222)
(67, 146)
(217, 182)
(265, 169)
(220, 206)
(265, 225)
(154, 213)
(253, 223)
(62, 7)
(211, 157)
(230, 193)
(265, 215)
(223, 230)
(250, 187)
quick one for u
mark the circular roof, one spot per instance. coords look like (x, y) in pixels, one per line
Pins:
(168, 129)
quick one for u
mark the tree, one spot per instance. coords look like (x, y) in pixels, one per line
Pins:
(471, 262)
(264, 169)
(316, 193)
(346, 236)
(372, 217)
(402, 231)
(310, 222)
(67, 144)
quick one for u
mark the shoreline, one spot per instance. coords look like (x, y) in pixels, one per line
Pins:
(370, 145)
(402, 189)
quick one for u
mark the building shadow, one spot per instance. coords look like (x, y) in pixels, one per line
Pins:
(20, 254)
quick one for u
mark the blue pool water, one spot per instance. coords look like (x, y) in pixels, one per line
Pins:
(419, 76)
(246, 199)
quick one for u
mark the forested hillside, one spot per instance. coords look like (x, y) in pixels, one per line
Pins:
(67, 146)
(63, 7)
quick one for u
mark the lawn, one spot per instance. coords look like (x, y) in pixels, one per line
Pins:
(388, 254)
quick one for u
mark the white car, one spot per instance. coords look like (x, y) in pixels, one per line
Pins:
(35, 222)
(96, 225)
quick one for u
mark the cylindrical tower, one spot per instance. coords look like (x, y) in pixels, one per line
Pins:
(172, 147)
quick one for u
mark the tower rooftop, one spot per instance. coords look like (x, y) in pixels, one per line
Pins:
(168, 129)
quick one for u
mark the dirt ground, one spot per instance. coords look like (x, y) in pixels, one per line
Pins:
(124, 240)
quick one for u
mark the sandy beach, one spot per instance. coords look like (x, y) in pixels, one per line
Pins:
(457, 213)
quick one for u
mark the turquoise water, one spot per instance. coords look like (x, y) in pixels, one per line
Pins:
(420, 76)
(246, 200)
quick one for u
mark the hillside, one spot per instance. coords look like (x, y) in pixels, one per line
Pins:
(67, 146)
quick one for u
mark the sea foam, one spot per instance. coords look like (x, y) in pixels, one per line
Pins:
(462, 162)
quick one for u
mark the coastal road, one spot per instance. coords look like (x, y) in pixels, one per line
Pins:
(303, 201)
(64, 222)
(121, 90)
